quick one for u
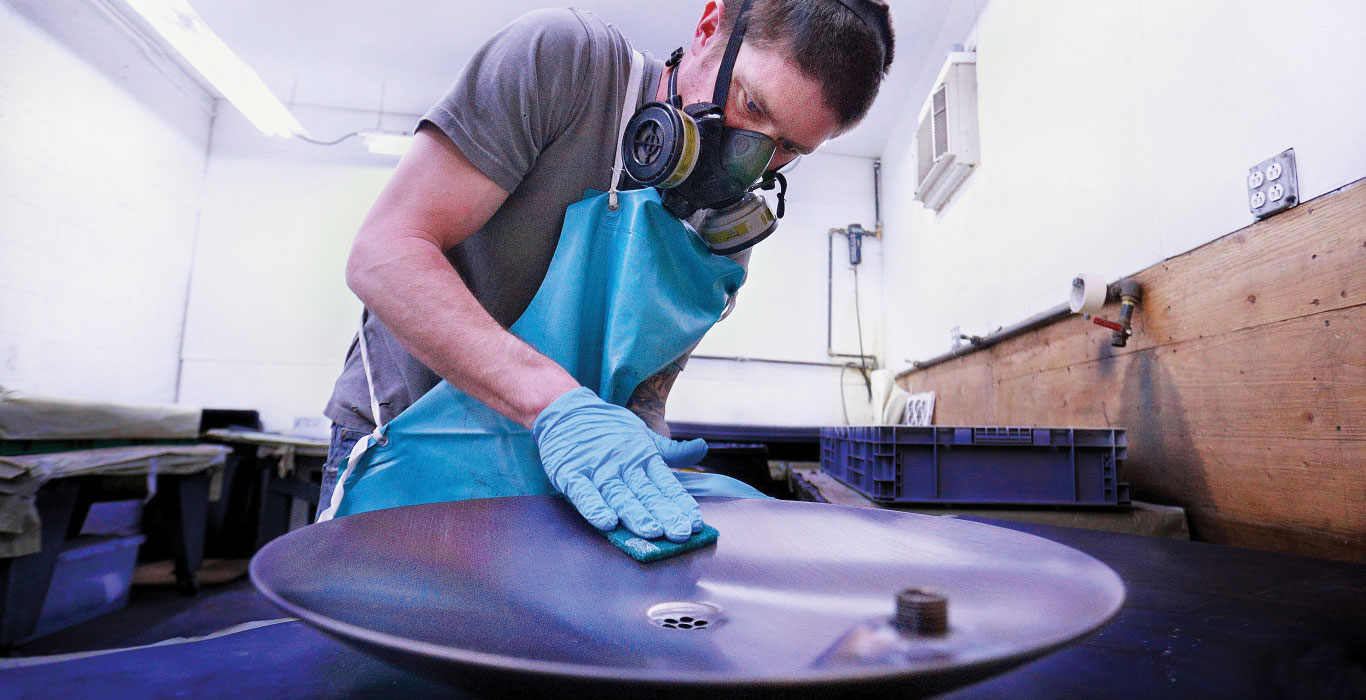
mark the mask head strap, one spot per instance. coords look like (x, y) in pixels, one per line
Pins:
(737, 34)
(675, 58)
(776, 179)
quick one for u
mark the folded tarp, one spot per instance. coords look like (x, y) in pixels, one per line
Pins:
(306, 445)
(283, 448)
(22, 475)
(28, 417)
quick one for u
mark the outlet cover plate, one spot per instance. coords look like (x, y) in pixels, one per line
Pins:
(1278, 193)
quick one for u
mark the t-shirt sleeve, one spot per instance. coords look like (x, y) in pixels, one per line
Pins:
(518, 92)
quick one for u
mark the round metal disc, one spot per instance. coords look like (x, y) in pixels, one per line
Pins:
(509, 594)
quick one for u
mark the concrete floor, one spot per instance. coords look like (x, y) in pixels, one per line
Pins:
(157, 613)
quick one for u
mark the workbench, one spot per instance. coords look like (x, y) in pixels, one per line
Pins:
(808, 482)
(289, 471)
(62, 486)
(1200, 621)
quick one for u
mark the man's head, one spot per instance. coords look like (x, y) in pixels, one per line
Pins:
(808, 70)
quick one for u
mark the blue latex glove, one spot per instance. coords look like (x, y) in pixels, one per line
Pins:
(612, 468)
(679, 454)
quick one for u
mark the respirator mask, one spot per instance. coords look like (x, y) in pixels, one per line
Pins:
(702, 165)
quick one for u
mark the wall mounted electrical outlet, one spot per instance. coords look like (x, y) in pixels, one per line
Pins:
(1273, 185)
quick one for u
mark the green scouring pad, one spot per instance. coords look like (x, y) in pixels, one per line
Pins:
(646, 551)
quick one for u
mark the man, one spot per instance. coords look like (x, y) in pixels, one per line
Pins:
(461, 238)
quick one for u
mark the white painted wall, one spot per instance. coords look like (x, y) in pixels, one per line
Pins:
(270, 316)
(780, 313)
(1114, 135)
(102, 155)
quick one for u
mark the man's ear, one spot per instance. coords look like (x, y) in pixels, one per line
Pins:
(708, 28)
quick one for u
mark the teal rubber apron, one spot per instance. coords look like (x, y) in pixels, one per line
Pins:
(629, 290)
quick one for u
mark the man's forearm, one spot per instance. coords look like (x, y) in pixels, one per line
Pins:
(414, 290)
(648, 400)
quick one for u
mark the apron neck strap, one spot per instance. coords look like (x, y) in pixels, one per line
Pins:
(369, 375)
(628, 108)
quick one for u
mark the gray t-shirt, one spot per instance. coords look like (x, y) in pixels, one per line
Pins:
(536, 110)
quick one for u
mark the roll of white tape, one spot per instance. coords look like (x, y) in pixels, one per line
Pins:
(1088, 294)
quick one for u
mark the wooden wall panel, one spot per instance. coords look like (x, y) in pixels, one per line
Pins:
(1243, 388)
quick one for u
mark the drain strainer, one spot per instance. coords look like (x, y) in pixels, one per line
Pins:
(685, 615)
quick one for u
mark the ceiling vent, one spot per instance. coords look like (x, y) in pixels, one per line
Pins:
(946, 140)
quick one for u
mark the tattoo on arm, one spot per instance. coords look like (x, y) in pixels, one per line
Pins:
(647, 401)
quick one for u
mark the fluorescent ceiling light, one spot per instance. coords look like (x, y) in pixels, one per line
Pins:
(187, 33)
(387, 143)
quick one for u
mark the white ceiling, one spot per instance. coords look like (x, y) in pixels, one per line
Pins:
(346, 53)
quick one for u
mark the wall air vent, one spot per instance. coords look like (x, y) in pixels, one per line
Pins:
(946, 140)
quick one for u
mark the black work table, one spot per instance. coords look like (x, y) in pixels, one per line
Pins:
(1200, 621)
(794, 443)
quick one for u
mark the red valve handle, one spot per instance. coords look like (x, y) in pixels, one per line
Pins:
(1106, 323)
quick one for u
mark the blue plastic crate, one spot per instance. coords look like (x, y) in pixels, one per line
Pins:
(980, 465)
(92, 577)
(113, 518)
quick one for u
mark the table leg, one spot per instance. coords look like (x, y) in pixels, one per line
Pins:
(88, 488)
(274, 517)
(186, 515)
(24, 580)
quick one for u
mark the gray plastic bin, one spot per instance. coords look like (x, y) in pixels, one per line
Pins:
(93, 576)
(980, 465)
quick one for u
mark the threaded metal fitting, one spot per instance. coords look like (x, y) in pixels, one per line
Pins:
(922, 611)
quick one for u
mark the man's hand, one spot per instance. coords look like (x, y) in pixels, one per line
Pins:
(610, 466)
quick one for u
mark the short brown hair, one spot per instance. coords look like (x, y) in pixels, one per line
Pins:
(828, 42)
